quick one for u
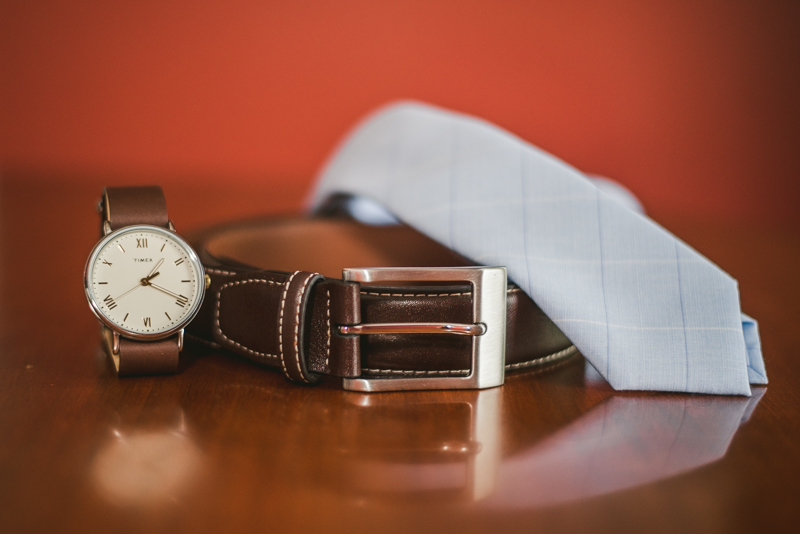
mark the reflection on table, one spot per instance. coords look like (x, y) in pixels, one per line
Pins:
(421, 446)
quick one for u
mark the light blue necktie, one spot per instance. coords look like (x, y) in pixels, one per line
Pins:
(644, 308)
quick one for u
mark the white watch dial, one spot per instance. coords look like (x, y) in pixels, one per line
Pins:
(144, 280)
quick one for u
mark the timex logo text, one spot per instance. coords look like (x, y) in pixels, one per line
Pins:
(143, 260)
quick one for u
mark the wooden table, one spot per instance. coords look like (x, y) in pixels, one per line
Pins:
(228, 446)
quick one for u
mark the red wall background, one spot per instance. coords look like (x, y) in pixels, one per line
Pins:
(692, 104)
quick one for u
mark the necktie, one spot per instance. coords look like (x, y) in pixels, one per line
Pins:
(646, 310)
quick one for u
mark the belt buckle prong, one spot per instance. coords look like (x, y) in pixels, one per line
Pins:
(488, 327)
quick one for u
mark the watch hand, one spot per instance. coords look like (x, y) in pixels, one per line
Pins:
(142, 282)
(168, 292)
(137, 286)
(150, 274)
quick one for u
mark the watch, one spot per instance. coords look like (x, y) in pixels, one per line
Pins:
(143, 281)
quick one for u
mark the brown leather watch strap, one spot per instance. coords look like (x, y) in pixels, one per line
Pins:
(127, 206)
(147, 358)
(290, 319)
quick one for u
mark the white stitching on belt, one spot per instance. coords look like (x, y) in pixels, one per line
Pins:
(569, 351)
(219, 271)
(219, 327)
(530, 363)
(328, 311)
(409, 372)
(415, 294)
(280, 324)
(465, 293)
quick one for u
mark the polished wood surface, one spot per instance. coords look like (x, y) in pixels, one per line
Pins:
(229, 446)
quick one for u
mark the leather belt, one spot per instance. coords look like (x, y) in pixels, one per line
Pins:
(300, 317)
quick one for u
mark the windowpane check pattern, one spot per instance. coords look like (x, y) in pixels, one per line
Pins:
(648, 311)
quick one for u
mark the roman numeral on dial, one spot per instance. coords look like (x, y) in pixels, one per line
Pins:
(141, 243)
(110, 302)
(146, 321)
(178, 261)
(181, 301)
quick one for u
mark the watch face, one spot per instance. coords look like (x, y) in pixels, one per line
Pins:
(144, 281)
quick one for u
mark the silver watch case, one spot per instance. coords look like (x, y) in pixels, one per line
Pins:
(193, 258)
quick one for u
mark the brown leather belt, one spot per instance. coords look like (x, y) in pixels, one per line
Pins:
(302, 318)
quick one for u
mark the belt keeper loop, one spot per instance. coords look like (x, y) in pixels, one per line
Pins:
(345, 303)
(345, 307)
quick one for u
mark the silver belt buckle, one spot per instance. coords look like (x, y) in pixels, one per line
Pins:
(488, 327)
